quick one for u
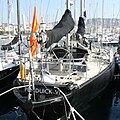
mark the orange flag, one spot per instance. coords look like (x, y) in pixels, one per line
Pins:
(33, 42)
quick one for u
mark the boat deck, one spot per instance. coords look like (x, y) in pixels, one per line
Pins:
(77, 72)
(93, 66)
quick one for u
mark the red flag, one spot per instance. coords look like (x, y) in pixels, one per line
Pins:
(33, 42)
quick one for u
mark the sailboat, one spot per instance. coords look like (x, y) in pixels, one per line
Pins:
(8, 36)
(63, 79)
(9, 64)
(117, 60)
(9, 70)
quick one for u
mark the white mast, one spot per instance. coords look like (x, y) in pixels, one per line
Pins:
(82, 7)
(24, 22)
(75, 10)
(9, 16)
(102, 16)
(75, 18)
(10, 10)
(41, 4)
(68, 36)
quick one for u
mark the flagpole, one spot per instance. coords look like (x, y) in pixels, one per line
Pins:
(32, 51)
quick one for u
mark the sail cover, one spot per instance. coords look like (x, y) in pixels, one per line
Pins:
(81, 26)
(65, 25)
(9, 45)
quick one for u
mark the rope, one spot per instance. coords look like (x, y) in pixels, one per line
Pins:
(71, 108)
(65, 111)
(23, 86)
(36, 115)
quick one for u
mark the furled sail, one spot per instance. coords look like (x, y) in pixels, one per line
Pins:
(10, 45)
(81, 26)
(65, 25)
(81, 32)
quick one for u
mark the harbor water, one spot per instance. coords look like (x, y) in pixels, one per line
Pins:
(105, 106)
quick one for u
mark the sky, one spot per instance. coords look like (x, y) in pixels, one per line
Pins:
(52, 10)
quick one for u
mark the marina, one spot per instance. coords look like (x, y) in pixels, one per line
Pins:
(58, 73)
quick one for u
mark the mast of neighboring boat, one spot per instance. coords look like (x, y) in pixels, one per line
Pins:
(9, 5)
(67, 7)
(2, 14)
(41, 4)
(80, 7)
(9, 16)
(68, 39)
(24, 23)
(102, 16)
(75, 16)
(96, 18)
(18, 22)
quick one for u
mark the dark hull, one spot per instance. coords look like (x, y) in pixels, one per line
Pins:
(7, 77)
(51, 111)
(7, 101)
(79, 97)
(50, 108)
(89, 90)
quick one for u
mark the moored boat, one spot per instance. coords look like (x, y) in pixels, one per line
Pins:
(9, 70)
(9, 65)
(7, 76)
(117, 59)
(63, 76)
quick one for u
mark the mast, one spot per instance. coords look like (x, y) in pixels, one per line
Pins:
(18, 21)
(2, 14)
(41, 4)
(29, 17)
(67, 6)
(68, 39)
(24, 23)
(75, 18)
(80, 7)
(67, 36)
(9, 16)
(102, 16)
(75, 11)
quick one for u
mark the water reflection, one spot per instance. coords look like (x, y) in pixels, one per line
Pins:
(106, 106)
(115, 109)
